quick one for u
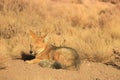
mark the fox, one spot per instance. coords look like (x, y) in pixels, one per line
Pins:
(48, 55)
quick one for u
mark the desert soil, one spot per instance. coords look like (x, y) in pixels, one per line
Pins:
(19, 70)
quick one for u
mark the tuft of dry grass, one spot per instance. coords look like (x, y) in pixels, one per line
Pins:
(111, 1)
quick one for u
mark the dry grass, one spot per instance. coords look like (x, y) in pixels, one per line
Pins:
(93, 30)
(111, 1)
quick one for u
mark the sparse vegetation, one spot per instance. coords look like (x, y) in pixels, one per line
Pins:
(93, 30)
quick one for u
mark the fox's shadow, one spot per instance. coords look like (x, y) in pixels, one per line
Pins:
(25, 56)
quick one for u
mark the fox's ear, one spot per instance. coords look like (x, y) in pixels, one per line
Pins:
(32, 34)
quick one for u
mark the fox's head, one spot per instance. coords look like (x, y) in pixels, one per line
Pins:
(37, 44)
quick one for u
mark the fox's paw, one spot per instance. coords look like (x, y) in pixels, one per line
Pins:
(29, 62)
(33, 61)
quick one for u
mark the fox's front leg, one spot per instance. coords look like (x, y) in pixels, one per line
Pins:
(33, 61)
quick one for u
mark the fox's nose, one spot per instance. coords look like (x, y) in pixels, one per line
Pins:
(31, 52)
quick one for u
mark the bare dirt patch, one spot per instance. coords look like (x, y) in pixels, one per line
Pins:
(19, 70)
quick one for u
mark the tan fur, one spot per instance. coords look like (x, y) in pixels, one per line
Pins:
(65, 56)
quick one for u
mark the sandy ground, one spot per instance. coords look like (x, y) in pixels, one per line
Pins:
(19, 70)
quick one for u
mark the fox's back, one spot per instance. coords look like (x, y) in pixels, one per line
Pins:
(68, 57)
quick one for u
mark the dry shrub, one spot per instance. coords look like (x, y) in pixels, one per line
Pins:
(95, 45)
(13, 5)
(9, 31)
(112, 25)
(111, 1)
